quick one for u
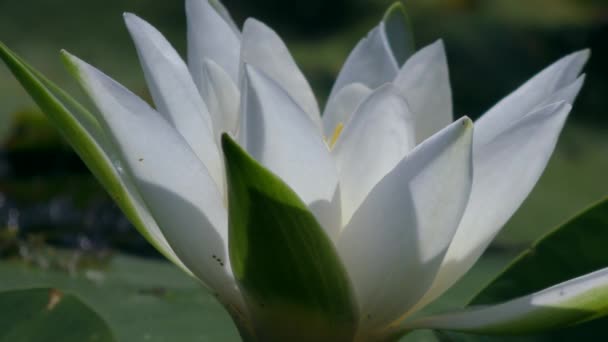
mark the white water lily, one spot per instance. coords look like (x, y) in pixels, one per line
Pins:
(408, 198)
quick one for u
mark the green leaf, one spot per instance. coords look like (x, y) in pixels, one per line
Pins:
(82, 131)
(399, 32)
(572, 250)
(141, 300)
(47, 315)
(293, 280)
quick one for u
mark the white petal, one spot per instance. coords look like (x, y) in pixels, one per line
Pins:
(175, 94)
(506, 169)
(174, 183)
(371, 63)
(378, 136)
(263, 48)
(211, 36)
(223, 12)
(222, 98)
(530, 95)
(340, 107)
(425, 82)
(129, 196)
(277, 133)
(396, 240)
(558, 306)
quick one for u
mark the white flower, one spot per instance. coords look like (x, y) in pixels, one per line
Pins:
(409, 198)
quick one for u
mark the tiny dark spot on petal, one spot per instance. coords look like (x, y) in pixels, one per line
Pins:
(141, 159)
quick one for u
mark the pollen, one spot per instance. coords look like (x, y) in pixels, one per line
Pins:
(336, 135)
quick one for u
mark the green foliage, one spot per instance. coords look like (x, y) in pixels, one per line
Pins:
(141, 300)
(576, 248)
(294, 282)
(47, 315)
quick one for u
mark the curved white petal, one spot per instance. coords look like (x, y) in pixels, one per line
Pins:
(396, 240)
(263, 48)
(211, 35)
(341, 107)
(223, 12)
(222, 98)
(425, 82)
(371, 63)
(567, 93)
(506, 169)
(558, 306)
(277, 133)
(175, 94)
(529, 96)
(129, 193)
(174, 183)
(378, 137)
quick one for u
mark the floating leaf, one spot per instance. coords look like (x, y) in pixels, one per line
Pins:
(48, 315)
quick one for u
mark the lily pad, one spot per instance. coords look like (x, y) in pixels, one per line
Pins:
(141, 300)
(576, 248)
(46, 315)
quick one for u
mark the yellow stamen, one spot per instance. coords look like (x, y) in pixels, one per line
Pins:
(336, 135)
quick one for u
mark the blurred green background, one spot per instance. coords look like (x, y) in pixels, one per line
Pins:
(48, 197)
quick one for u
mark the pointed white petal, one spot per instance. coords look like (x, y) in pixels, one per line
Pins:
(567, 93)
(425, 82)
(126, 194)
(173, 182)
(371, 63)
(223, 12)
(506, 169)
(222, 98)
(566, 303)
(530, 95)
(175, 94)
(396, 240)
(263, 48)
(211, 36)
(340, 107)
(377, 138)
(277, 133)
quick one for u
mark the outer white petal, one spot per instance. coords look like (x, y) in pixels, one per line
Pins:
(425, 82)
(211, 35)
(133, 197)
(396, 240)
(277, 133)
(175, 94)
(506, 169)
(378, 137)
(222, 98)
(536, 92)
(264, 49)
(340, 108)
(371, 63)
(567, 303)
(174, 183)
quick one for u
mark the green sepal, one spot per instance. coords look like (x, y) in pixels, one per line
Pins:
(49, 315)
(399, 32)
(293, 281)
